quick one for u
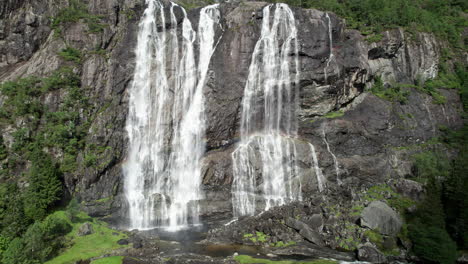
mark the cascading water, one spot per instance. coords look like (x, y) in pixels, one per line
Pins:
(268, 122)
(318, 171)
(166, 123)
(335, 160)
(330, 41)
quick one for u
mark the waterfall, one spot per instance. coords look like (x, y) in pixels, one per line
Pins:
(166, 123)
(318, 171)
(268, 122)
(330, 41)
(335, 161)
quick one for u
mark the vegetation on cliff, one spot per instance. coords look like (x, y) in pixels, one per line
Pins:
(444, 18)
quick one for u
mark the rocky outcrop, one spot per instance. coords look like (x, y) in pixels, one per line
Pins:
(85, 229)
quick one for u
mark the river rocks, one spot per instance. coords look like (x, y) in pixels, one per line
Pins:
(305, 231)
(122, 242)
(85, 229)
(380, 217)
(312, 251)
(371, 254)
(315, 221)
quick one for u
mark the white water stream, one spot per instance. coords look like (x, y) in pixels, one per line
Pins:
(330, 41)
(166, 122)
(265, 159)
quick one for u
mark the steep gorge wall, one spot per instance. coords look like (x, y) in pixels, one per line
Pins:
(367, 140)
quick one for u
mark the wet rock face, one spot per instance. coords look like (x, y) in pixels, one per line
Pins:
(363, 140)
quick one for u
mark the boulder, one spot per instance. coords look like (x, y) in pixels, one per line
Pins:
(85, 229)
(380, 217)
(371, 254)
(305, 231)
(315, 222)
(122, 242)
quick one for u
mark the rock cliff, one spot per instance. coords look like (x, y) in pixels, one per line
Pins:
(361, 140)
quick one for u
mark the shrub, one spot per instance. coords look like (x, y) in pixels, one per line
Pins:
(15, 254)
(12, 219)
(3, 150)
(430, 164)
(71, 54)
(75, 12)
(396, 93)
(40, 242)
(444, 18)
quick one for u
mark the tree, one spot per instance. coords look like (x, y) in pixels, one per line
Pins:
(431, 241)
(45, 187)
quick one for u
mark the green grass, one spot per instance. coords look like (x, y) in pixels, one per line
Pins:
(102, 241)
(108, 260)
(244, 259)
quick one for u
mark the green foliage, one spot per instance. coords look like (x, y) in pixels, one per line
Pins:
(102, 241)
(444, 18)
(39, 243)
(374, 38)
(427, 228)
(22, 97)
(71, 54)
(351, 241)
(14, 254)
(75, 12)
(45, 187)
(60, 129)
(257, 237)
(73, 209)
(22, 210)
(90, 160)
(13, 221)
(356, 210)
(431, 164)
(4, 243)
(3, 149)
(433, 243)
(442, 216)
(374, 237)
(462, 73)
(396, 93)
